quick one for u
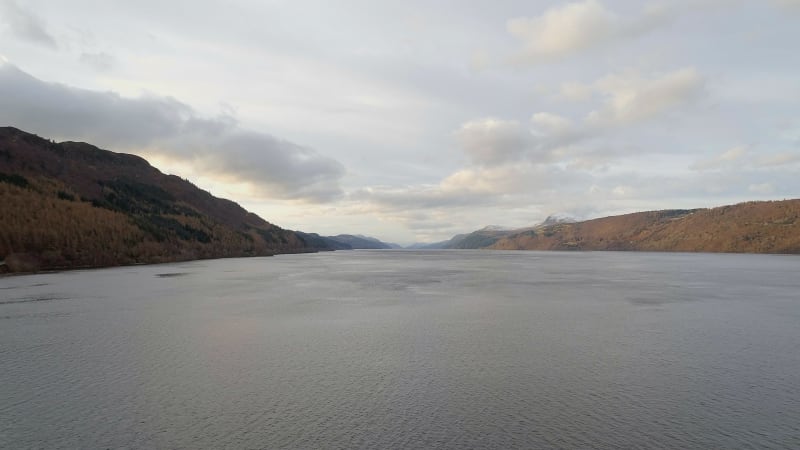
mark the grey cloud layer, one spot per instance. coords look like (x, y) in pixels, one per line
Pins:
(100, 61)
(789, 4)
(24, 24)
(166, 126)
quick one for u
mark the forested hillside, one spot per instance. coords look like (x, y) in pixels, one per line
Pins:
(69, 204)
(752, 227)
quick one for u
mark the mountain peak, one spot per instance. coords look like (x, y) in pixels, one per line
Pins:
(555, 219)
(494, 228)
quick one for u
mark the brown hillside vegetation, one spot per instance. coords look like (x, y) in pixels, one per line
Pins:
(67, 205)
(752, 227)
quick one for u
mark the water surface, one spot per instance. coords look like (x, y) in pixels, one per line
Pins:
(392, 349)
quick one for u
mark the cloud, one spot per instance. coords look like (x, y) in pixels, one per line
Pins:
(476, 187)
(103, 118)
(514, 185)
(493, 141)
(552, 124)
(101, 61)
(625, 99)
(404, 199)
(778, 159)
(479, 60)
(466, 199)
(24, 24)
(761, 188)
(631, 98)
(166, 127)
(275, 166)
(496, 181)
(578, 26)
(789, 4)
(723, 160)
(575, 92)
(557, 135)
(738, 157)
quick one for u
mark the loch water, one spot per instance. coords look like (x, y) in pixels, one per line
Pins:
(406, 349)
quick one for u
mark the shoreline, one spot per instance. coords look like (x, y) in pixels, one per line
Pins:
(49, 270)
(9, 274)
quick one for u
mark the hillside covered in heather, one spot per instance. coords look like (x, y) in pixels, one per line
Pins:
(70, 204)
(752, 227)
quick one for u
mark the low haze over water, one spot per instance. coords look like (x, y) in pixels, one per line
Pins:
(389, 349)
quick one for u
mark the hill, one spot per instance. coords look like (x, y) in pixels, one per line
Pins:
(436, 245)
(477, 239)
(485, 237)
(71, 204)
(361, 242)
(345, 242)
(323, 242)
(752, 227)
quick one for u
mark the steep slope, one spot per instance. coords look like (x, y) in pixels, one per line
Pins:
(752, 227)
(359, 242)
(344, 242)
(478, 239)
(438, 245)
(323, 242)
(71, 204)
(489, 235)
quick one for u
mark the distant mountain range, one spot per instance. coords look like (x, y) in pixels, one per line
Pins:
(362, 242)
(346, 242)
(486, 236)
(71, 204)
(751, 227)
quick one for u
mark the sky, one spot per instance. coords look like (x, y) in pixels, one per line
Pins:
(412, 121)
